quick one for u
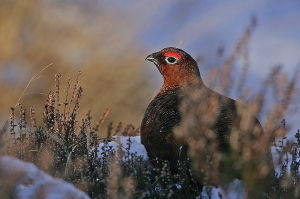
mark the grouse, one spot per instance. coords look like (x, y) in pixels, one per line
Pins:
(180, 71)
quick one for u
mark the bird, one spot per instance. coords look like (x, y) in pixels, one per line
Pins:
(163, 115)
(179, 71)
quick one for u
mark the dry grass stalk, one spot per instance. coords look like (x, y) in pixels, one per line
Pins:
(33, 78)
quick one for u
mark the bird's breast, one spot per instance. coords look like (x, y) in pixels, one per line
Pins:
(162, 114)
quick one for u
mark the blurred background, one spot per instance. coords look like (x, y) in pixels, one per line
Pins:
(108, 42)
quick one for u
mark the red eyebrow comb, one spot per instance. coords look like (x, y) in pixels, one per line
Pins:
(172, 54)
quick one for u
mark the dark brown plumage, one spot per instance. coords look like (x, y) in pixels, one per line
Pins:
(179, 71)
(175, 99)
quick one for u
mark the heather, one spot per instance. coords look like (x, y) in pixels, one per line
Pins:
(79, 150)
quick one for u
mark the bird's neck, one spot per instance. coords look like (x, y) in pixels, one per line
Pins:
(176, 79)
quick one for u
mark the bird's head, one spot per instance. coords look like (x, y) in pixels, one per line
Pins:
(176, 66)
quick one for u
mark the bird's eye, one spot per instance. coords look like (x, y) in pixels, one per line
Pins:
(171, 60)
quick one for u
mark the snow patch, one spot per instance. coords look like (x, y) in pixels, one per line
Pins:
(136, 147)
(29, 182)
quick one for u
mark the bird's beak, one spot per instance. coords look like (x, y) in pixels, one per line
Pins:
(152, 58)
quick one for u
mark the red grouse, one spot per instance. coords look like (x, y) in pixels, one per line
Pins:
(179, 71)
(174, 106)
